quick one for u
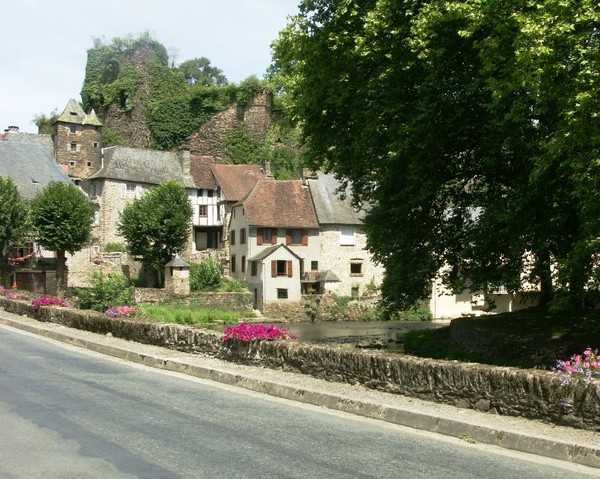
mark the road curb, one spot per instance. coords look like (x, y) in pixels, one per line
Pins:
(546, 446)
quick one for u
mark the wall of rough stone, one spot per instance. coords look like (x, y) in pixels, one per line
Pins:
(533, 394)
(241, 301)
(86, 159)
(337, 258)
(209, 139)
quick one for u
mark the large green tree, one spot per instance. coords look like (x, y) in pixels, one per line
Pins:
(61, 217)
(199, 71)
(157, 225)
(13, 222)
(470, 128)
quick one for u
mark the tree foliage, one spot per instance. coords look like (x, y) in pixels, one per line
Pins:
(157, 226)
(61, 217)
(470, 128)
(199, 71)
(13, 221)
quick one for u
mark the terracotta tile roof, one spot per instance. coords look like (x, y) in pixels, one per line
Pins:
(274, 203)
(236, 181)
(200, 169)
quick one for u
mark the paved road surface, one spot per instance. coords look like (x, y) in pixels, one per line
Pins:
(69, 413)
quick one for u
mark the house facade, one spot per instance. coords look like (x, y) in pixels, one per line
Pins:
(275, 213)
(346, 267)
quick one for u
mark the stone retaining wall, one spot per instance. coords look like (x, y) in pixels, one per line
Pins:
(533, 394)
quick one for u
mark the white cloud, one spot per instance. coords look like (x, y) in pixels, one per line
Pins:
(44, 44)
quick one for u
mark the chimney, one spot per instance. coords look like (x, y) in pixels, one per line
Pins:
(185, 160)
(266, 169)
(308, 174)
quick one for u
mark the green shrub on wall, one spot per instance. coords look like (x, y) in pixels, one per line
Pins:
(205, 275)
(105, 292)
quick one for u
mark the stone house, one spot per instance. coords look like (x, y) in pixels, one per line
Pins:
(78, 141)
(274, 213)
(125, 174)
(32, 168)
(346, 266)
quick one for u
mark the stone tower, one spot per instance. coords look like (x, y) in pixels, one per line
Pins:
(78, 141)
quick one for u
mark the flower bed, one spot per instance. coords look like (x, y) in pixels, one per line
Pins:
(48, 301)
(250, 332)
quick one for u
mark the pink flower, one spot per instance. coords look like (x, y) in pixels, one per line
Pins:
(250, 332)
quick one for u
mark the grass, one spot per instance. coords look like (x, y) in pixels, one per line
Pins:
(533, 338)
(190, 314)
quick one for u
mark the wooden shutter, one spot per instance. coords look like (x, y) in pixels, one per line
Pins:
(274, 236)
(273, 269)
(289, 269)
(288, 237)
(259, 236)
(304, 238)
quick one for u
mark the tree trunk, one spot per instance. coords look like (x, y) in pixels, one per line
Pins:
(544, 273)
(61, 274)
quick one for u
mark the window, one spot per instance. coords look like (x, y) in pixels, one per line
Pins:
(356, 268)
(73, 128)
(282, 293)
(73, 147)
(266, 235)
(209, 193)
(72, 164)
(89, 163)
(281, 268)
(202, 210)
(233, 263)
(314, 266)
(297, 237)
(253, 268)
(243, 264)
(232, 237)
(354, 292)
(347, 236)
(130, 191)
(243, 236)
(95, 144)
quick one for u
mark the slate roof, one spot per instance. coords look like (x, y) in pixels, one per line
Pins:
(329, 205)
(73, 113)
(265, 253)
(142, 166)
(273, 203)
(27, 162)
(236, 181)
(200, 169)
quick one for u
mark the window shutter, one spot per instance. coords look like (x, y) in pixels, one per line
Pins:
(288, 237)
(273, 269)
(274, 236)
(304, 238)
(259, 236)
(289, 269)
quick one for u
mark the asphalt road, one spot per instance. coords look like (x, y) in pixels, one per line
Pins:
(70, 413)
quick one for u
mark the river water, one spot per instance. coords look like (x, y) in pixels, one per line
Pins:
(367, 334)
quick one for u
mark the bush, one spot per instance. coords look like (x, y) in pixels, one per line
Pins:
(115, 248)
(205, 275)
(106, 292)
(233, 286)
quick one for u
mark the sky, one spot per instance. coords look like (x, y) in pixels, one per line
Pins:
(44, 43)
